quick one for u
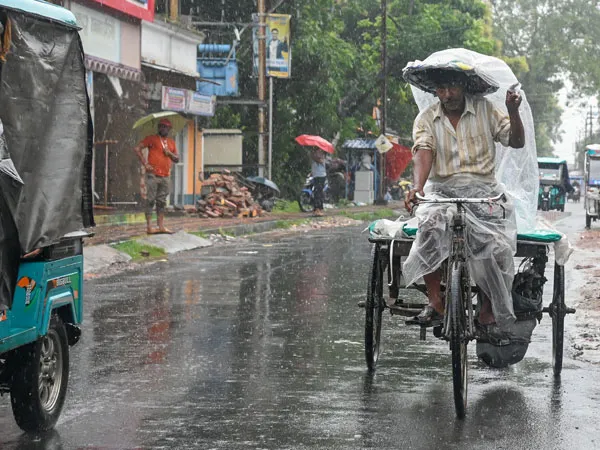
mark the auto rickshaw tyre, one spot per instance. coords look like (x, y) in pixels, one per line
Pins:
(39, 384)
(588, 221)
(458, 341)
(558, 319)
(306, 202)
(374, 307)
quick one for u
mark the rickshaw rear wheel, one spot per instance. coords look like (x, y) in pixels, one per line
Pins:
(558, 319)
(39, 384)
(458, 341)
(374, 307)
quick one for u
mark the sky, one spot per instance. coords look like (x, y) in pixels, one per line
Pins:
(573, 123)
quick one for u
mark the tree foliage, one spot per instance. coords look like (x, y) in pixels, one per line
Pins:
(559, 40)
(336, 68)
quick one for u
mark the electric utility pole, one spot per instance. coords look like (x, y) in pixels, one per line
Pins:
(262, 85)
(380, 195)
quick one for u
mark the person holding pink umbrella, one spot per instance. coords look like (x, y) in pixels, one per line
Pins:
(319, 173)
(318, 170)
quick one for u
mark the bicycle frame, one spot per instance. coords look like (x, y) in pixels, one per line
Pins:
(458, 253)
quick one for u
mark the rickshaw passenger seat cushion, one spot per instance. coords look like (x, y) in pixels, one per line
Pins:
(540, 235)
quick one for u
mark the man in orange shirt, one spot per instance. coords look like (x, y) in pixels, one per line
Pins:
(162, 152)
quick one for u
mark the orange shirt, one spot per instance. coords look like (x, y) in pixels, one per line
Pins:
(156, 157)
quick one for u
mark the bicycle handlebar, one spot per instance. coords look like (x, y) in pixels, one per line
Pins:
(496, 199)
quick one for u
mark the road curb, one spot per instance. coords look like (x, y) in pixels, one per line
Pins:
(102, 256)
(175, 243)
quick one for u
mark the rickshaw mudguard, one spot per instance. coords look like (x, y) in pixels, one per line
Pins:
(43, 287)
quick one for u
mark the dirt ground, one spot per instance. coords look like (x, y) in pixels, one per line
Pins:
(583, 292)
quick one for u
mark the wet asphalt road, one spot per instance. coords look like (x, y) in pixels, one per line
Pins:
(260, 346)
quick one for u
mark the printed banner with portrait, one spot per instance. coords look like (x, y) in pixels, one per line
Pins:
(277, 45)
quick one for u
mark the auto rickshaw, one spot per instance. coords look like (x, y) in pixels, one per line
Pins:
(592, 184)
(46, 141)
(554, 183)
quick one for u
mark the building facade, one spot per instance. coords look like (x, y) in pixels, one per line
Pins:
(131, 53)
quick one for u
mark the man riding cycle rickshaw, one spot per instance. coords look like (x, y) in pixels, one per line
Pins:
(475, 185)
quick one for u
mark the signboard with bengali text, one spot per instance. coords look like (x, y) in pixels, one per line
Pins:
(200, 105)
(173, 99)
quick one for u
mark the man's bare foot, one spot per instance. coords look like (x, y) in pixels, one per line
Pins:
(429, 314)
(165, 230)
(32, 254)
(152, 230)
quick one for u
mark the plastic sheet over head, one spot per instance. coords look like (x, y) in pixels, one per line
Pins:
(517, 169)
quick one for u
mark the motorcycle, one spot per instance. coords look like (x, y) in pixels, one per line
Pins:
(575, 196)
(306, 199)
(545, 198)
(399, 189)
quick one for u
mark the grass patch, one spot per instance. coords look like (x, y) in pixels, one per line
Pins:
(223, 232)
(343, 203)
(138, 251)
(367, 216)
(288, 206)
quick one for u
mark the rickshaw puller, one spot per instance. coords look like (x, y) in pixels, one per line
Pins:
(454, 156)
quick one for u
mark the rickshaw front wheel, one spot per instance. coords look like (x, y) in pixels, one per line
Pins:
(458, 341)
(39, 385)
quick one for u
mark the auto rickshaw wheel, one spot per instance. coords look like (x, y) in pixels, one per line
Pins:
(39, 384)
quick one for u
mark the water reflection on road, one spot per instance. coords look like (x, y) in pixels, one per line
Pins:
(260, 346)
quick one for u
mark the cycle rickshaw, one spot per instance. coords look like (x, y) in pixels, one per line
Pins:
(458, 327)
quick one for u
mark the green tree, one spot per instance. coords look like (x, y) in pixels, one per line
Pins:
(336, 73)
(558, 39)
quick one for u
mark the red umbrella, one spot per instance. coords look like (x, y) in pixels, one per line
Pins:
(315, 141)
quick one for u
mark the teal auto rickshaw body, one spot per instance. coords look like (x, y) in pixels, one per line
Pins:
(45, 204)
(554, 183)
(591, 186)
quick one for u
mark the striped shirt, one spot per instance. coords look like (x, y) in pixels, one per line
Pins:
(468, 149)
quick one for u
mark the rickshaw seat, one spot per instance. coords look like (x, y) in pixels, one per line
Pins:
(539, 235)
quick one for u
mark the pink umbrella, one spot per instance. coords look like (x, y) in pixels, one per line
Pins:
(315, 141)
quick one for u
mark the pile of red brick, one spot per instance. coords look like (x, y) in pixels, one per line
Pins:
(227, 198)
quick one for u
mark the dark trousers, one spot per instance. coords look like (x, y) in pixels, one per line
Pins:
(319, 185)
